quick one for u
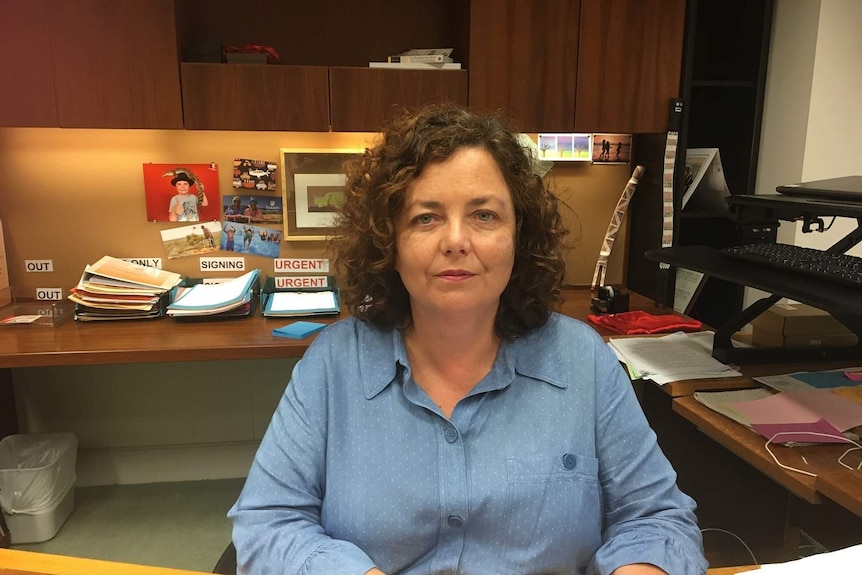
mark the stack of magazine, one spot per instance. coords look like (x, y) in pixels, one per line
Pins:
(420, 59)
(114, 289)
(231, 298)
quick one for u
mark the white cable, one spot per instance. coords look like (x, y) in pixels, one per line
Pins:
(818, 434)
(738, 538)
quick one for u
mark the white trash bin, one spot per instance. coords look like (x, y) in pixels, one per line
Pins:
(37, 480)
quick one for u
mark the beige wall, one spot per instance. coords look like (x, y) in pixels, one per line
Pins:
(72, 196)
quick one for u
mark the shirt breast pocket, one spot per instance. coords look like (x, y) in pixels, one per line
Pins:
(553, 514)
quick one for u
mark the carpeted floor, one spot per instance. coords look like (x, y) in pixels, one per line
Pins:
(180, 525)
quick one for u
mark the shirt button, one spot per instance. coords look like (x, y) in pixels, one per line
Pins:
(450, 435)
(455, 521)
(569, 461)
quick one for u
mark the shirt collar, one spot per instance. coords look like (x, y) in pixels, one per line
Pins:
(534, 356)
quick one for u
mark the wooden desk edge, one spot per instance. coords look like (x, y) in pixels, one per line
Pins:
(14, 562)
(706, 420)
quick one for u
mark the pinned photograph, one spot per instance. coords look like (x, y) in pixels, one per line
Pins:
(181, 192)
(249, 239)
(612, 148)
(564, 147)
(191, 240)
(253, 209)
(257, 175)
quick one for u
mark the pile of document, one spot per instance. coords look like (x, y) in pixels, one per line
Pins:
(229, 298)
(672, 357)
(301, 303)
(114, 289)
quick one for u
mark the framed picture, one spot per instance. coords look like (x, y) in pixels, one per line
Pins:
(313, 189)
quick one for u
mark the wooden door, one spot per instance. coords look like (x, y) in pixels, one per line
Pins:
(115, 63)
(629, 64)
(27, 86)
(524, 61)
(363, 98)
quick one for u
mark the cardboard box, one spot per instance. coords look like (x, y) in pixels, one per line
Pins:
(798, 325)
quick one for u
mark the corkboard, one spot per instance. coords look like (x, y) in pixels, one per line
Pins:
(72, 196)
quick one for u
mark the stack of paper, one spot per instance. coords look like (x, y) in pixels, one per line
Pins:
(301, 303)
(840, 562)
(230, 298)
(673, 357)
(113, 289)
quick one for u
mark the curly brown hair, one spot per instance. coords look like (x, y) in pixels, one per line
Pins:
(365, 241)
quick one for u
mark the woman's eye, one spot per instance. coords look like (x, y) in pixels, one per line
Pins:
(484, 216)
(424, 219)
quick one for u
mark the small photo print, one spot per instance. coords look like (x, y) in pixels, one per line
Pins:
(612, 148)
(253, 209)
(564, 147)
(257, 175)
(181, 192)
(191, 240)
(249, 239)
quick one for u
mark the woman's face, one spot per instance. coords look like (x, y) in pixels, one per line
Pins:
(456, 236)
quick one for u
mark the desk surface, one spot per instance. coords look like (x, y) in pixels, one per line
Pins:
(833, 481)
(14, 562)
(167, 339)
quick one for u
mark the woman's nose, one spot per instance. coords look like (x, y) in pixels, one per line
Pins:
(455, 238)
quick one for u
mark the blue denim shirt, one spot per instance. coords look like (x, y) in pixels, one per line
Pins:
(547, 466)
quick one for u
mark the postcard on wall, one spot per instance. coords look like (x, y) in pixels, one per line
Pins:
(564, 147)
(181, 192)
(253, 209)
(192, 240)
(254, 174)
(250, 239)
(612, 148)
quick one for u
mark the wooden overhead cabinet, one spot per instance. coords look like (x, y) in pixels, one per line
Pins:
(114, 63)
(629, 64)
(255, 97)
(524, 61)
(361, 99)
(27, 88)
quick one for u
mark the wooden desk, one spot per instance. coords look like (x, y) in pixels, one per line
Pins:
(167, 339)
(28, 563)
(841, 485)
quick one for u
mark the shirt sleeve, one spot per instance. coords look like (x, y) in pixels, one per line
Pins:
(647, 519)
(276, 520)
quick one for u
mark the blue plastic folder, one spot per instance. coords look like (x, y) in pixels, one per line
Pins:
(298, 329)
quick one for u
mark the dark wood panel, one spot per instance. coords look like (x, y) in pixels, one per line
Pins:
(362, 98)
(27, 88)
(255, 97)
(524, 61)
(115, 63)
(629, 64)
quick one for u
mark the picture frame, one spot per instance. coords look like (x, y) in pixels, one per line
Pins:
(312, 189)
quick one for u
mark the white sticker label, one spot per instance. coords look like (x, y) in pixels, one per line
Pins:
(301, 265)
(222, 264)
(49, 294)
(39, 265)
(294, 282)
(149, 262)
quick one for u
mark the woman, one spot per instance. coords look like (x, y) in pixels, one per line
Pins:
(456, 424)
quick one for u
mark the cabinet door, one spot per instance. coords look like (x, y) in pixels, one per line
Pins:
(524, 61)
(115, 63)
(27, 88)
(255, 97)
(363, 98)
(630, 59)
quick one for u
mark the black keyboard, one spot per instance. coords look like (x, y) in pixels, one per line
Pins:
(842, 268)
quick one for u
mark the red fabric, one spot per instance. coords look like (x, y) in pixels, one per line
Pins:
(642, 323)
